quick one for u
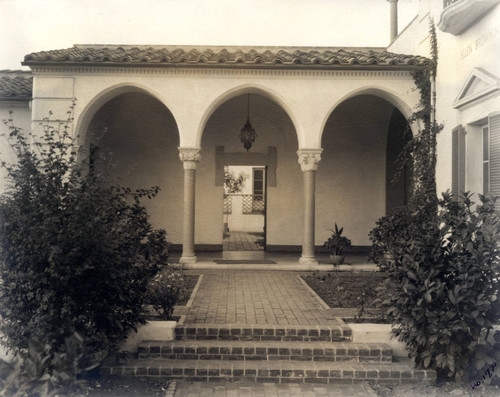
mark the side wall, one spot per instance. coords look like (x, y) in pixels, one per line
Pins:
(459, 55)
(21, 118)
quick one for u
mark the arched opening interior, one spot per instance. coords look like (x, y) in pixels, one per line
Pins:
(273, 175)
(355, 180)
(133, 140)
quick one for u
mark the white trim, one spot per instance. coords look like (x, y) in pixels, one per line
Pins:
(493, 85)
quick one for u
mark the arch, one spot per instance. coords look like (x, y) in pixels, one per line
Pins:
(240, 90)
(105, 96)
(383, 93)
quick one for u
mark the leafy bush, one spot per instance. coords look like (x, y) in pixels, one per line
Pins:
(388, 231)
(165, 290)
(27, 374)
(76, 255)
(444, 287)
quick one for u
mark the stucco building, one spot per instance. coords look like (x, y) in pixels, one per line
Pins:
(329, 124)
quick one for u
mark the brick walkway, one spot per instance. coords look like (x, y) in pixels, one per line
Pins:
(256, 297)
(206, 389)
(242, 241)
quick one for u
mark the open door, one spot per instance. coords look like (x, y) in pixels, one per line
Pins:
(244, 214)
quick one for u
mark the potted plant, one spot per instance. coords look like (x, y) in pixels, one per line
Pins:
(336, 245)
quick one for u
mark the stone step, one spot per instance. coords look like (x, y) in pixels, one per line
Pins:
(252, 350)
(337, 332)
(270, 371)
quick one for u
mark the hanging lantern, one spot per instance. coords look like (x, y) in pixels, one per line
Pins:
(247, 133)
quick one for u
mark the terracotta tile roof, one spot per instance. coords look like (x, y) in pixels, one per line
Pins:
(320, 57)
(15, 85)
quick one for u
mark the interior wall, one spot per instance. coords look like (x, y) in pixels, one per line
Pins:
(284, 201)
(137, 140)
(398, 181)
(351, 177)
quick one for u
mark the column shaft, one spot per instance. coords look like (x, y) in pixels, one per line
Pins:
(308, 254)
(188, 255)
(190, 158)
(308, 160)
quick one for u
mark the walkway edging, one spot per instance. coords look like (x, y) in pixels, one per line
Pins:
(313, 293)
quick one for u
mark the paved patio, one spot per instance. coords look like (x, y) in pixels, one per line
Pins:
(243, 241)
(207, 389)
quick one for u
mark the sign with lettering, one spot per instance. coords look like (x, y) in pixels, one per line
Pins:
(480, 41)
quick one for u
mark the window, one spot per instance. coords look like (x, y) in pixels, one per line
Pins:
(486, 160)
(259, 185)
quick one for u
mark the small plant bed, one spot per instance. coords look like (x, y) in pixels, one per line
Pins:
(172, 290)
(349, 290)
(124, 387)
(190, 281)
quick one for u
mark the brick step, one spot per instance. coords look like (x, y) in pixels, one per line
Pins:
(271, 371)
(337, 332)
(251, 350)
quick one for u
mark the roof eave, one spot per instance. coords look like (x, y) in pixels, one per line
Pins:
(344, 66)
(15, 99)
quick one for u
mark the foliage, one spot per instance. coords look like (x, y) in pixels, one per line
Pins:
(419, 153)
(337, 243)
(386, 234)
(444, 285)
(27, 374)
(166, 289)
(76, 255)
(232, 183)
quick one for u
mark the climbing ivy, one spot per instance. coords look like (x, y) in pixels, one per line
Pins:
(420, 151)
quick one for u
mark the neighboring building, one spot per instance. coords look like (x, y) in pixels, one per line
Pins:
(15, 96)
(468, 89)
(329, 124)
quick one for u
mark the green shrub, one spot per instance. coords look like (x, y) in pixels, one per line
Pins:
(76, 255)
(387, 232)
(27, 376)
(443, 287)
(165, 290)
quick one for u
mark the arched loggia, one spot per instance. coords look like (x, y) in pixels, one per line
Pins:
(132, 138)
(361, 141)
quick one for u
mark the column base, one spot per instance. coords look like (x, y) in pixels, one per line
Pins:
(308, 260)
(187, 259)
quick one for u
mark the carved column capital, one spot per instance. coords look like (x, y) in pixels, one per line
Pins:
(190, 156)
(309, 159)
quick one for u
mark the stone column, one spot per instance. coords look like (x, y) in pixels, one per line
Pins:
(190, 158)
(308, 160)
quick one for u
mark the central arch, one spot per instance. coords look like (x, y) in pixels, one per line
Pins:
(247, 89)
(274, 150)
